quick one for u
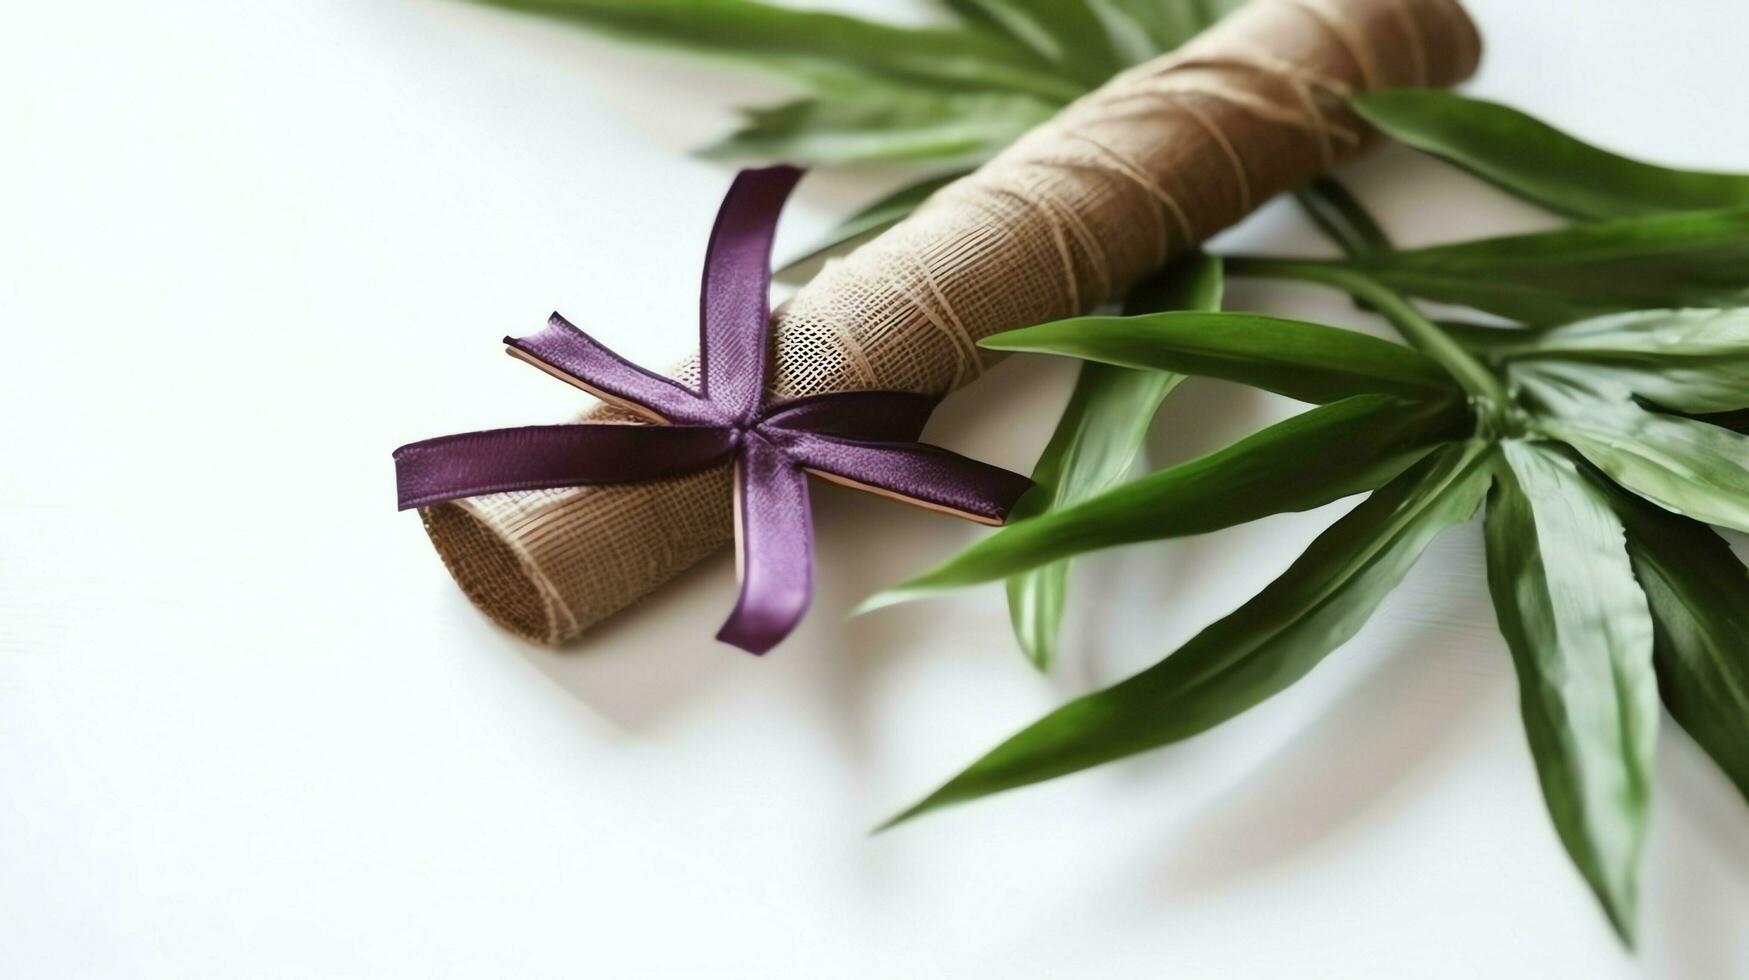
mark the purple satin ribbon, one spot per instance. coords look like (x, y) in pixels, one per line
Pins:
(865, 439)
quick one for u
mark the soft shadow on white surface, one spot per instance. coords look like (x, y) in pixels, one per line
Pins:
(651, 660)
(248, 727)
(1340, 774)
(1698, 864)
(647, 661)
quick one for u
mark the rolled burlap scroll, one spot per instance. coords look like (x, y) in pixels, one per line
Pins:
(1068, 218)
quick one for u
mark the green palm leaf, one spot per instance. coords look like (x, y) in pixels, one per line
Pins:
(1693, 361)
(1699, 596)
(1067, 33)
(1095, 445)
(1254, 653)
(1092, 449)
(1307, 461)
(1581, 638)
(1698, 259)
(803, 41)
(1737, 421)
(1143, 28)
(1305, 361)
(1683, 465)
(880, 123)
(1342, 218)
(1539, 163)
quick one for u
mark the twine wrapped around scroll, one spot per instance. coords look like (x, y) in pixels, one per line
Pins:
(1123, 181)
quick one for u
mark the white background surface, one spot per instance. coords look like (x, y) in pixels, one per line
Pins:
(248, 727)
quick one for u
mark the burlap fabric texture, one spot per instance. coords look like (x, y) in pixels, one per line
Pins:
(1068, 218)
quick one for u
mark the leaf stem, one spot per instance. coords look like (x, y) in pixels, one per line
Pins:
(1340, 216)
(1423, 334)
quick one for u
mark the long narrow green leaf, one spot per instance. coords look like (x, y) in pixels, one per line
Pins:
(1693, 361)
(1581, 639)
(886, 123)
(879, 216)
(1682, 465)
(1103, 35)
(790, 40)
(1067, 33)
(1491, 342)
(1342, 218)
(1306, 361)
(1699, 595)
(1737, 421)
(1538, 162)
(1307, 461)
(1144, 28)
(1256, 652)
(1699, 259)
(1094, 446)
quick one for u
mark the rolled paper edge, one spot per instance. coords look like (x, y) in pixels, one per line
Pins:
(500, 567)
(507, 584)
(494, 573)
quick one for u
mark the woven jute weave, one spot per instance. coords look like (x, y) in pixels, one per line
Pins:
(1070, 217)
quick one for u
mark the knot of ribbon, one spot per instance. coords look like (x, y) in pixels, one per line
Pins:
(863, 439)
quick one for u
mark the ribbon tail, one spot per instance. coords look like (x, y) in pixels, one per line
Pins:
(573, 356)
(774, 544)
(545, 457)
(734, 318)
(915, 473)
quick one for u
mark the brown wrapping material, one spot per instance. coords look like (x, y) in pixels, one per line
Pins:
(1124, 180)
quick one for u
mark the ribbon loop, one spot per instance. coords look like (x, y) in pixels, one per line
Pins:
(737, 291)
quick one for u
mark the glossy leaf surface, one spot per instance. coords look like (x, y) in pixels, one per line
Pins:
(1095, 445)
(1256, 652)
(883, 124)
(1067, 33)
(1342, 218)
(803, 41)
(1683, 465)
(1581, 639)
(1694, 361)
(1699, 259)
(1698, 592)
(1141, 29)
(1305, 361)
(1535, 161)
(1306, 461)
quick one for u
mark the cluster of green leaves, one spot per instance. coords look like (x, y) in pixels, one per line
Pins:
(1603, 436)
(1595, 435)
(947, 97)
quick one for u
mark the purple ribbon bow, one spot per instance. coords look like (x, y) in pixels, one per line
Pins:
(863, 439)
